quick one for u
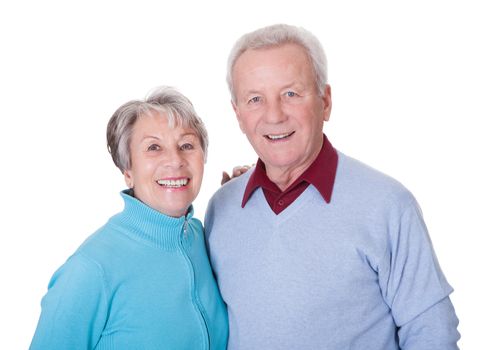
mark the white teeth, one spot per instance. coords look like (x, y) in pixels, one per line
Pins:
(278, 137)
(173, 183)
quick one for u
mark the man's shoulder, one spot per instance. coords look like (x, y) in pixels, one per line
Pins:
(234, 189)
(227, 200)
(358, 177)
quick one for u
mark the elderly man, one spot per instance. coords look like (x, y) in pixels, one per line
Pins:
(313, 249)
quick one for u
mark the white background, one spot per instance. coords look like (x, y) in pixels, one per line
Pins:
(405, 80)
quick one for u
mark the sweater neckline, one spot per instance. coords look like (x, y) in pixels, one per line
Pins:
(307, 196)
(141, 222)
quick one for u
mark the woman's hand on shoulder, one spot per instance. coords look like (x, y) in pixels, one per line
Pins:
(236, 171)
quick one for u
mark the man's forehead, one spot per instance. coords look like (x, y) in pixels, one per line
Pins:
(285, 67)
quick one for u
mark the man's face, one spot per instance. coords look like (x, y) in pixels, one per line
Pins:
(279, 107)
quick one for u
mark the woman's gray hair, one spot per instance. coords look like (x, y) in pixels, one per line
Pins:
(277, 35)
(178, 109)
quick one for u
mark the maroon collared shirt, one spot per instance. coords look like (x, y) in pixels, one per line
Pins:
(321, 174)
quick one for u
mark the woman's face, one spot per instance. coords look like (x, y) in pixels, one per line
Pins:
(167, 164)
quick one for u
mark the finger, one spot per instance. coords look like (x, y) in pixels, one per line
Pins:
(225, 178)
(245, 168)
(237, 171)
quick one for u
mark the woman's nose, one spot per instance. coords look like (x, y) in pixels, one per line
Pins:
(174, 159)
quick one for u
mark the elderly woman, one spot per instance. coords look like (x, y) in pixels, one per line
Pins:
(143, 280)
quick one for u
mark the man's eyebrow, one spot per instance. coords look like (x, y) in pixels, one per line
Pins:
(250, 91)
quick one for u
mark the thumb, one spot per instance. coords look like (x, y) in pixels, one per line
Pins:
(225, 178)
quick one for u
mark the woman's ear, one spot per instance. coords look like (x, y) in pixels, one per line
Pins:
(129, 180)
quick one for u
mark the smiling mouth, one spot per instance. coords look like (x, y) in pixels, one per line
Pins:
(174, 183)
(278, 137)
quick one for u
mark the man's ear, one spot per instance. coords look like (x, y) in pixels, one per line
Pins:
(327, 103)
(129, 180)
(237, 114)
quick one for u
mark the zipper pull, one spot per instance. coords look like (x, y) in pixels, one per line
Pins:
(185, 227)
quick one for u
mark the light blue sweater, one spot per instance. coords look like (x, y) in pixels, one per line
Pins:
(142, 281)
(356, 273)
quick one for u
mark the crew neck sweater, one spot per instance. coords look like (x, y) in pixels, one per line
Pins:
(142, 281)
(356, 273)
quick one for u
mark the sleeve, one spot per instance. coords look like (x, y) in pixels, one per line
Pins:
(208, 223)
(414, 286)
(434, 329)
(208, 218)
(74, 310)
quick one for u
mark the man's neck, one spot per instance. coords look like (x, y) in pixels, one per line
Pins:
(283, 177)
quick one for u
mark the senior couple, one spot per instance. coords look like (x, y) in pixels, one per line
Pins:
(310, 249)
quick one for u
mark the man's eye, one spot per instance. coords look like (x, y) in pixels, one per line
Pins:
(254, 99)
(153, 148)
(186, 146)
(291, 93)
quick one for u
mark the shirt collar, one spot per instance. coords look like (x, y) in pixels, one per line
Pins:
(321, 174)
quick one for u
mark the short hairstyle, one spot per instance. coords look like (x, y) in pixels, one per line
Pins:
(178, 109)
(277, 35)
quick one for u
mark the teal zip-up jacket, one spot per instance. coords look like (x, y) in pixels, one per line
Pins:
(142, 281)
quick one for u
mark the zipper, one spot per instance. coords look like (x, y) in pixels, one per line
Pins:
(197, 304)
(184, 228)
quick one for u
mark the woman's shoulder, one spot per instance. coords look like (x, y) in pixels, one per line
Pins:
(101, 249)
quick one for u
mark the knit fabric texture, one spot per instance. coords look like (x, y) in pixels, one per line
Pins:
(356, 273)
(142, 281)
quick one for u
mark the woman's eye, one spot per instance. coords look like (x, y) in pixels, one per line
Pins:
(186, 146)
(153, 148)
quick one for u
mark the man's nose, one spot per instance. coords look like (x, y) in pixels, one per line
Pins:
(274, 112)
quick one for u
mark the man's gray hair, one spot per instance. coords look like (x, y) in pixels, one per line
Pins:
(178, 109)
(277, 35)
